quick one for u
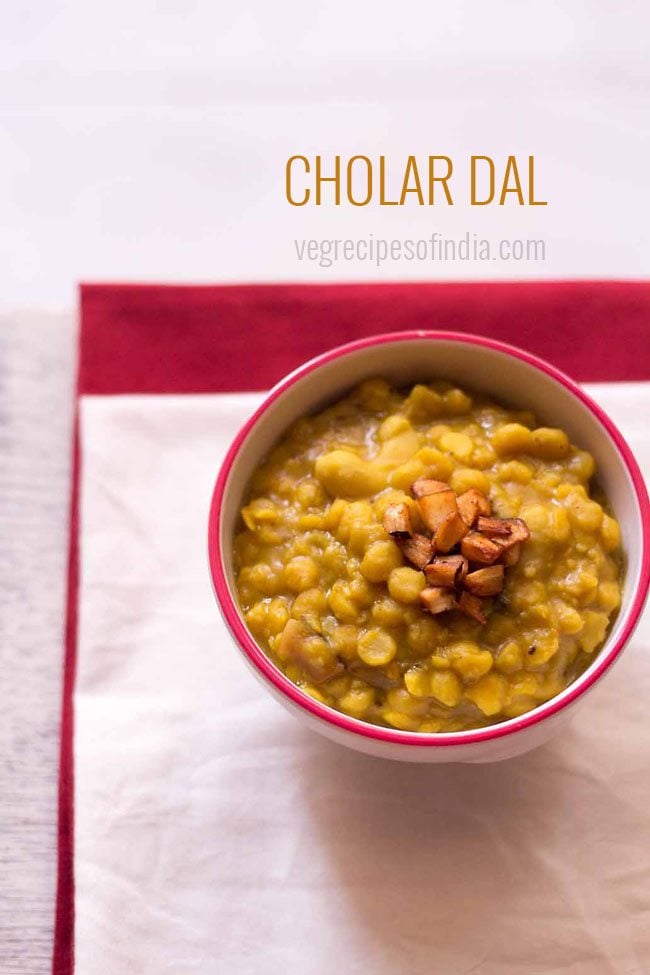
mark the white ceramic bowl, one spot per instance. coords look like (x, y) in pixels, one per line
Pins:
(510, 375)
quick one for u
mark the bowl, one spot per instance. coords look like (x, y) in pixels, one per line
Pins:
(511, 376)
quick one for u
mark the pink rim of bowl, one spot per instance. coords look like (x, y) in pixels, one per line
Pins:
(262, 663)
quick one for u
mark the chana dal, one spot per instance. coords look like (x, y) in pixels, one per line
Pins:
(335, 602)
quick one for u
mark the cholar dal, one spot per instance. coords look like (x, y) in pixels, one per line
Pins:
(334, 589)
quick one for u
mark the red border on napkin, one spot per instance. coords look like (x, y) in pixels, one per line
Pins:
(178, 339)
(151, 339)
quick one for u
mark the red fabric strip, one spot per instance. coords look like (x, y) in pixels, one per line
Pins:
(175, 339)
(63, 957)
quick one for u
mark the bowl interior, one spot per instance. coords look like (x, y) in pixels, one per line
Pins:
(510, 380)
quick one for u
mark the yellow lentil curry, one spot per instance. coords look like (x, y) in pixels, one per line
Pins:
(335, 602)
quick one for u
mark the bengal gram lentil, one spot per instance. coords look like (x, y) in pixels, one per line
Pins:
(332, 601)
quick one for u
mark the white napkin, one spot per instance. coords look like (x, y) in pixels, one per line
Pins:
(215, 834)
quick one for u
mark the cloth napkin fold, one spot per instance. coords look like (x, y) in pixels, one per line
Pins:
(202, 828)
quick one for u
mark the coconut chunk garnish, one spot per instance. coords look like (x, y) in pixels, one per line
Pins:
(397, 520)
(462, 536)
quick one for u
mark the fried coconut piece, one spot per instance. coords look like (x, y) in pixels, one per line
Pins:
(506, 532)
(449, 532)
(478, 548)
(446, 570)
(485, 582)
(511, 555)
(438, 600)
(427, 485)
(471, 606)
(466, 521)
(397, 520)
(418, 550)
(494, 527)
(472, 504)
(435, 507)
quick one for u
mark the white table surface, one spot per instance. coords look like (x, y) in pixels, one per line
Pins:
(36, 383)
(147, 141)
